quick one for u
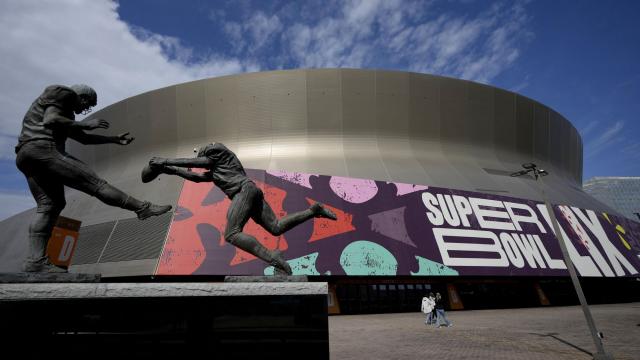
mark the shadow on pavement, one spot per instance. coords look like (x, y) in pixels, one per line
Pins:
(553, 335)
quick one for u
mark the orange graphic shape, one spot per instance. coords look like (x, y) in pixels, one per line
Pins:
(324, 228)
(184, 253)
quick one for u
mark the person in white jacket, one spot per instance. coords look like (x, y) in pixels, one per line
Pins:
(428, 304)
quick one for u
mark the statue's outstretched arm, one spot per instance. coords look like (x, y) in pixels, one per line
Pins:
(198, 162)
(188, 175)
(53, 117)
(93, 139)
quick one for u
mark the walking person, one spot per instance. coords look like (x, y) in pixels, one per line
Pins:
(441, 316)
(433, 308)
(428, 304)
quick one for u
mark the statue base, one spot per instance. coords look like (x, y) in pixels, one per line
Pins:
(265, 320)
(273, 278)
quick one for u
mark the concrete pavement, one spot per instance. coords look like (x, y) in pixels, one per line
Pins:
(522, 334)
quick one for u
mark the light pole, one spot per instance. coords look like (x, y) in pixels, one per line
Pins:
(538, 174)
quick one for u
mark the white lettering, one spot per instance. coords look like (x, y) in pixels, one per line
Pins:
(483, 214)
(529, 250)
(433, 214)
(583, 264)
(464, 209)
(493, 247)
(585, 240)
(615, 257)
(67, 248)
(517, 219)
(448, 210)
(553, 263)
(512, 251)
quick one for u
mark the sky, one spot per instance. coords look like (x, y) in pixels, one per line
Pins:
(581, 58)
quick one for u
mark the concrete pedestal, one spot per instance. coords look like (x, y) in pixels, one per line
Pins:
(277, 320)
(22, 277)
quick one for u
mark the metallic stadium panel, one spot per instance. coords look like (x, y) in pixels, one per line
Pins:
(91, 243)
(136, 240)
(361, 123)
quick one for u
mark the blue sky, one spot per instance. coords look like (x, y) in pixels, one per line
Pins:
(579, 57)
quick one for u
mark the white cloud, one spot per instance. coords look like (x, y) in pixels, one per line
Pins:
(606, 139)
(264, 27)
(476, 49)
(631, 149)
(73, 41)
(522, 85)
(404, 34)
(254, 33)
(589, 128)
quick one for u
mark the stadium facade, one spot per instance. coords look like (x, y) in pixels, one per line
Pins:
(416, 166)
(620, 193)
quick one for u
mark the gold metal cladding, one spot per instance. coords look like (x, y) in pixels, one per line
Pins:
(382, 125)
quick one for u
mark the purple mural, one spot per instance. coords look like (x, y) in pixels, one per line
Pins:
(399, 229)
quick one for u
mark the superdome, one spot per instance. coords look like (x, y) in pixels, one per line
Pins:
(409, 162)
(381, 125)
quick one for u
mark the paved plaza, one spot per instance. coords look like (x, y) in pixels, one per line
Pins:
(531, 333)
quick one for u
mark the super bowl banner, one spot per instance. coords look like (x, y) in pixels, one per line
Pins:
(398, 229)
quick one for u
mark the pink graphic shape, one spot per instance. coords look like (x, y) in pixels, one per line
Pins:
(404, 189)
(355, 191)
(391, 224)
(301, 179)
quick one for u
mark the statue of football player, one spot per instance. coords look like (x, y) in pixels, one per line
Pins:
(247, 200)
(41, 156)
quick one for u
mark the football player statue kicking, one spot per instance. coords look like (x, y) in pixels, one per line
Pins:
(41, 156)
(247, 200)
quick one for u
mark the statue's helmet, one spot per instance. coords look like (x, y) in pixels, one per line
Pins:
(87, 98)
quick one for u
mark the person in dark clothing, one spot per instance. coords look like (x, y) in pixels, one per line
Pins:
(42, 158)
(247, 200)
(441, 316)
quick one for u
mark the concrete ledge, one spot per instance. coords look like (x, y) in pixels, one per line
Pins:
(22, 277)
(28, 291)
(271, 278)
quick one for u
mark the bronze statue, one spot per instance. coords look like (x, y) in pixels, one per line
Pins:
(41, 156)
(247, 200)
